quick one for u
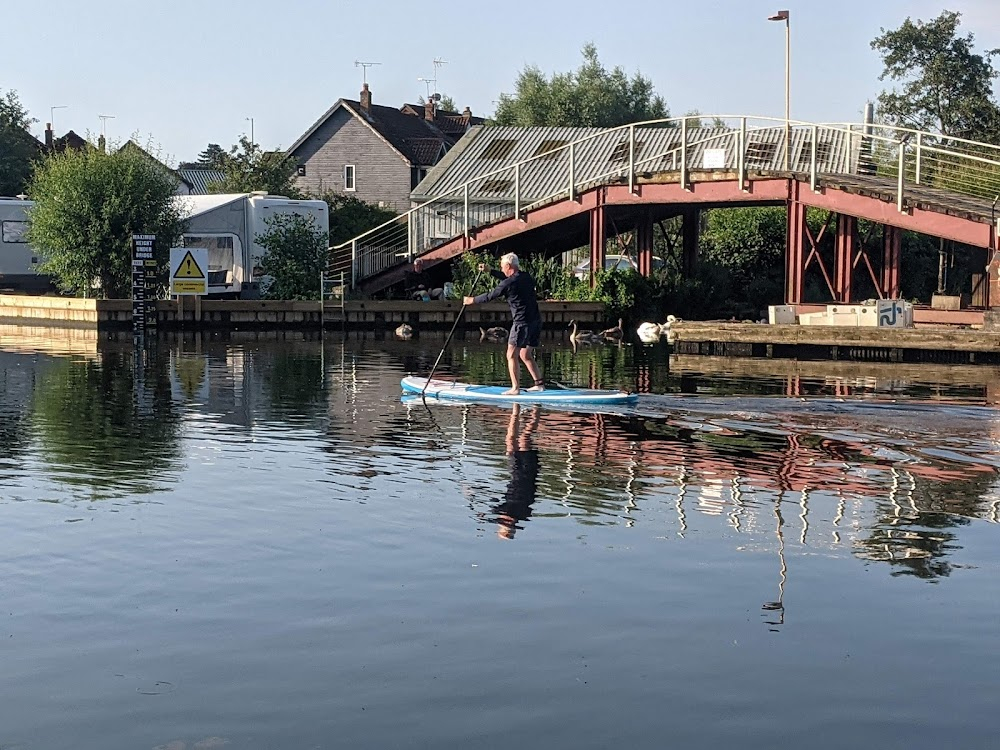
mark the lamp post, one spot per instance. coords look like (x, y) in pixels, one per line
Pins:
(782, 15)
(250, 120)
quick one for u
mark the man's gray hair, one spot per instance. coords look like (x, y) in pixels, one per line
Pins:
(510, 260)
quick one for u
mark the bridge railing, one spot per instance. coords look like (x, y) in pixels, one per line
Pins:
(681, 148)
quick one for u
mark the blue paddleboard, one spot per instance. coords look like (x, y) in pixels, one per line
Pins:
(450, 390)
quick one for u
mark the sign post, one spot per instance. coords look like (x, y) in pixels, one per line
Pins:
(144, 283)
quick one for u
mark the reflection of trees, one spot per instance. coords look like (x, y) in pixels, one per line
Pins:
(105, 425)
(294, 380)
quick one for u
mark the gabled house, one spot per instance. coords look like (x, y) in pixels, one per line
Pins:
(189, 181)
(376, 153)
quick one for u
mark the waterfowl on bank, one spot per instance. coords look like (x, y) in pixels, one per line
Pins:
(650, 333)
(497, 333)
(583, 337)
(614, 334)
(405, 331)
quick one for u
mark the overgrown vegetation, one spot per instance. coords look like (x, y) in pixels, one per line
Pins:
(295, 257)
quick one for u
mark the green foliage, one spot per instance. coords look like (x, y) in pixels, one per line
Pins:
(88, 204)
(296, 252)
(18, 148)
(590, 96)
(465, 271)
(351, 216)
(945, 85)
(213, 157)
(446, 104)
(247, 169)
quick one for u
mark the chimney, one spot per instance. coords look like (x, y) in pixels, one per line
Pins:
(101, 143)
(429, 110)
(467, 113)
(366, 100)
(49, 135)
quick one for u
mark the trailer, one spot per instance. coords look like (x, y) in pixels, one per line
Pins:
(17, 258)
(229, 224)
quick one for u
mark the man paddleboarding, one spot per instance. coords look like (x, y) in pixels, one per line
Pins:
(526, 323)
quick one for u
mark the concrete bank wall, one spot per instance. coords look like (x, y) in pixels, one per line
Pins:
(195, 314)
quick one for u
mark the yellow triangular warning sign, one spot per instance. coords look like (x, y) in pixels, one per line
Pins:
(188, 269)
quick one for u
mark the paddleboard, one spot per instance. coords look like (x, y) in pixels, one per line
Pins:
(450, 390)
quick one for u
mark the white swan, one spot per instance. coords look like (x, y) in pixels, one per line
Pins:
(650, 333)
(583, 337)
(405, 331)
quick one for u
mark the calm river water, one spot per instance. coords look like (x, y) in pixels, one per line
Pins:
(256, 544)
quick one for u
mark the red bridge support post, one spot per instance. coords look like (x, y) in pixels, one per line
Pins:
(598, 237)
(690, 230)
(644, 243)
(892, 239)
(843, 260)
(795, 243)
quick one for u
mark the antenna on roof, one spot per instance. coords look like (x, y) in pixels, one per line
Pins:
(364, 68)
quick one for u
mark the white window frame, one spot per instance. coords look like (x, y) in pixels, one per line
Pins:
(350, 178)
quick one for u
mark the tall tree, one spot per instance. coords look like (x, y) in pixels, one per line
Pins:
(247, 168)
(213, 157)
(18, 148)
(88, 204)
(589, 96)
(944, 85)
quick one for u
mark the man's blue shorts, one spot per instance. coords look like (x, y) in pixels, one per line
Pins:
(525, 334)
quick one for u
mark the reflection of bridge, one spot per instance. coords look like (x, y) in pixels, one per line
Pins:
(556, 189)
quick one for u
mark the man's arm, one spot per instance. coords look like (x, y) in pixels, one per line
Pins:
(500, 289)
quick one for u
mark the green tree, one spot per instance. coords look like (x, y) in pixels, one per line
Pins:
(445, 103)
(945, 86)
(590, 96)
(88, 204)
(351, 216)
(18, 148)
(213, 157)
(296, 254)
(247, 168)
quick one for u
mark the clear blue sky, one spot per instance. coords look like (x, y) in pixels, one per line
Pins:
(188, 72)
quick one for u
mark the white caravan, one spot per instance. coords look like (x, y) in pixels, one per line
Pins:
(17, 259)
(228, 225)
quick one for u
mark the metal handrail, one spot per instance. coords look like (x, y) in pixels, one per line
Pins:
(891, 151)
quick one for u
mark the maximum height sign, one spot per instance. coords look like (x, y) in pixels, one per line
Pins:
(188, 271)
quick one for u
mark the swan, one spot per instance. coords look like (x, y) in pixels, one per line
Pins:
(405, 331)
(497, 333)
(583, 337)
(614, 334)
(650, 333)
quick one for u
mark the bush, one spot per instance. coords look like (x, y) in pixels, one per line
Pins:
(295, 257)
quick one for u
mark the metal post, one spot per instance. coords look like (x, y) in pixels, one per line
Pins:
(684, 160)
(465, 200)
(812, 159)
(322, 300)
(788, 92)
(354, 264)
(920, 143)
(741, 156)
(517, 191)
(631, 159)
(410, 239)
(572, 172)
(899, 183)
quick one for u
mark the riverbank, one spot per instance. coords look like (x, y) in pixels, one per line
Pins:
(196, 314)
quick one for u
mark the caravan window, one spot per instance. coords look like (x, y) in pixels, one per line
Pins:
(222, 252)
(14, 232)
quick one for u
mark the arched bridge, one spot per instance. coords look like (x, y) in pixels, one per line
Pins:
(555, 189)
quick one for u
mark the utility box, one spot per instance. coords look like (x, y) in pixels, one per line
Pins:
(781, 315)
(894, 313)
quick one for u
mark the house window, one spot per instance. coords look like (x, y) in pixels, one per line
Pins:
(301, 170)
(762, 153)
(823, 150)
(501, 148)
(549, 149)
(620, 154)
(495, 186)
(349, 177)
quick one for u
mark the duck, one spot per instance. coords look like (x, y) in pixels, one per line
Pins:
(497, 333)
(614, 334)
(404, 331)
(583, 337)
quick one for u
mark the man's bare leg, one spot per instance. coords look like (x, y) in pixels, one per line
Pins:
(514, 368)
(528, 357)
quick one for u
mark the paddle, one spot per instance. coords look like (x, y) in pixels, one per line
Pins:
(451, 332)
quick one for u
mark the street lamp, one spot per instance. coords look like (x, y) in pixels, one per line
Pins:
(782, 15)
(250, 120)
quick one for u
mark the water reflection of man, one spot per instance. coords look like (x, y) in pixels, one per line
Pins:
(522, 457)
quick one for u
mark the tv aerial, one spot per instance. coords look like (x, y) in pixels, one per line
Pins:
(364, 68)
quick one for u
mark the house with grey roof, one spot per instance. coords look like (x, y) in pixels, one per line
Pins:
(374, 152)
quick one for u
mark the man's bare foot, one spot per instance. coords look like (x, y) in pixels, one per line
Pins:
(511, 392)
(536, 388)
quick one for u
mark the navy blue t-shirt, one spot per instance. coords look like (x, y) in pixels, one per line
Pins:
(520, 291)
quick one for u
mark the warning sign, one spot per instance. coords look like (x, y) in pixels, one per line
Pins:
(188, 270)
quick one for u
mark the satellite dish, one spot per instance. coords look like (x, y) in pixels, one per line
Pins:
(436, 97)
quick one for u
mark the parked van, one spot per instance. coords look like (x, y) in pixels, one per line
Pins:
(17, 259)
(228, 226)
